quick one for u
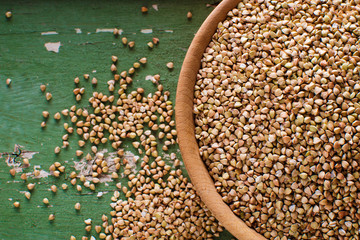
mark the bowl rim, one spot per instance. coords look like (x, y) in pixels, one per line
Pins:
(185, 126)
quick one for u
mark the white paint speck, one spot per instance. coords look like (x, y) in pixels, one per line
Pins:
(156, 7)
(94, 71)
(169, 31)
(149, 77)
(49, 33)
(78, 30)
(107, 30)
(53, 46)
(146, 31)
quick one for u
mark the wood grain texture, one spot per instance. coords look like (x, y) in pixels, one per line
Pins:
(185, 125)
(24, 59)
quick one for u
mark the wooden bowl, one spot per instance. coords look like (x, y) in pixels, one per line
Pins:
(185, 126)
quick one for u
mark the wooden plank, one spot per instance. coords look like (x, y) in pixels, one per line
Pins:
(24, 59)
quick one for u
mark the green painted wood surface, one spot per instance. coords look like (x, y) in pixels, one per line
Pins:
(24, 59)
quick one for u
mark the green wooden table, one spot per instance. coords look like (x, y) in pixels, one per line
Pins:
(24, 59)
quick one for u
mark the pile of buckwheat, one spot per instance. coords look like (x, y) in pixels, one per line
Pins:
(157, 201)
(277, 116)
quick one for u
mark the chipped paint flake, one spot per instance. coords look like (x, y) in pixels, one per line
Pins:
(14, 159)
(85, 167)
(146, 31)
(78, 30)
(49, 33)
(107, 30)
(28, 155)
(53, 46)
(100, 194)
(149, 77)
(155, 7)
(132, 160)
(43, 174)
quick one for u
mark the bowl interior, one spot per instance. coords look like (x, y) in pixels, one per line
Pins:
(189, 148)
